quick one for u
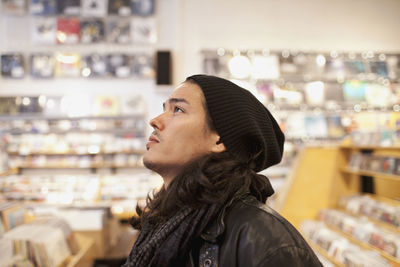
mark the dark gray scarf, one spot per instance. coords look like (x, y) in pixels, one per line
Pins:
(168, 244)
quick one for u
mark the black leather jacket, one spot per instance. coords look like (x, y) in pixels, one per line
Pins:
(251, 234)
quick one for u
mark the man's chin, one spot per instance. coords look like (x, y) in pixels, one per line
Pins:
(147, 163)
(150, 164)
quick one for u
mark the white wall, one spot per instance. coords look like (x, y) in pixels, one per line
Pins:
(321, 25)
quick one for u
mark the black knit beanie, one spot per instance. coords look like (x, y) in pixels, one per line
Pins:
(244, 124)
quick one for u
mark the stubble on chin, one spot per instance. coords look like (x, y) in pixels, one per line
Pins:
(149, 164)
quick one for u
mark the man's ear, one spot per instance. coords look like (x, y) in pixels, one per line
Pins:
(219, 146)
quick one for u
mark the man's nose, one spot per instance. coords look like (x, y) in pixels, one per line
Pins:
(157, 122)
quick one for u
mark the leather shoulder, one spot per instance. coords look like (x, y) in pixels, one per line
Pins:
(255, 233)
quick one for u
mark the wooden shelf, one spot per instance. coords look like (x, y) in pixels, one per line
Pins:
(355, 147)
(379, 175)
(324, 253)
(85, 244)
(394, 261)
(74, 153)
(9, 172)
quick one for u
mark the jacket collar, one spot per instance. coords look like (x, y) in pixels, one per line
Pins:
(217, 227)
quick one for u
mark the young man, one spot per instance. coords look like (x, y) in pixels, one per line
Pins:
(208, 145)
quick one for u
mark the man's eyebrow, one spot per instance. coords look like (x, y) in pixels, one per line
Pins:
(176, 100)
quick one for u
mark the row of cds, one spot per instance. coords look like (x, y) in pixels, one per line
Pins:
(300, 66)
(384, 126)
(382, 138)
(71, 31)
(91, 8)
(76, 162)
(79, 189)
(366, 205)
(133, 125)
(363, 230)
(69, 108)
(368, 162)
(75, 143)
(46, 65)
(326, 94)
(340, 248)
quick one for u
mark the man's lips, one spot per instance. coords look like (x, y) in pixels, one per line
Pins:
(153, 139)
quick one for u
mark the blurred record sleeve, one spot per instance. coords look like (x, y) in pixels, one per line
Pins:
(13, 7)
(94, 8)
(119, 7)
(8, 106)
(142, 7)
(92, 31)
(42, 65)
(43, 7)
(94, 65)
(68, 31)
(67, 65)
(69, 7)
(142, 66)
(12, 65)
(43, 30)
(119, 30)
(119, 65)
(144, 30)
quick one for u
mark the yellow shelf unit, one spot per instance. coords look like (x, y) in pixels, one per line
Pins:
(320, 176)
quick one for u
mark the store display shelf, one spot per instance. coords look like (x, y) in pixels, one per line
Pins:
(84, 131)
(33, 116)
(324, 253)
(378, 175)
(394, 261)
(74, 153)
(314, 138)
(91, 166)
(341, 108)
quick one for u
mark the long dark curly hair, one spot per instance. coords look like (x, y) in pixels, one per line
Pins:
(213, 178)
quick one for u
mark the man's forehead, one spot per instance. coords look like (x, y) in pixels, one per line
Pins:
(188, 93)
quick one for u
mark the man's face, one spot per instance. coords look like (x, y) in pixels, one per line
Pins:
(180, 133)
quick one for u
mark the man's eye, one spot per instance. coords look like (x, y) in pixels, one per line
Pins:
(177, 109)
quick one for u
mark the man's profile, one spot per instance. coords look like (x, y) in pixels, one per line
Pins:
(208, 145)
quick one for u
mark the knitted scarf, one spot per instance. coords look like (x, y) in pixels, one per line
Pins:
(168, 244)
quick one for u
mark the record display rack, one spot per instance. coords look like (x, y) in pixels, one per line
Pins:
(336, 173)
(394, 261)
(323, 252)
(32, 145)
